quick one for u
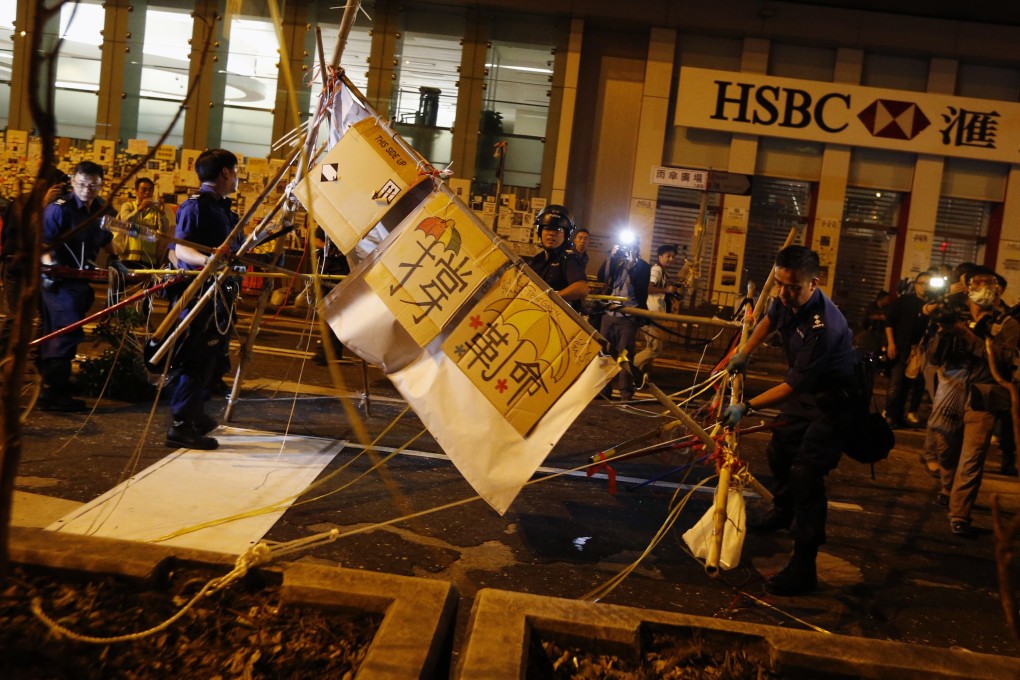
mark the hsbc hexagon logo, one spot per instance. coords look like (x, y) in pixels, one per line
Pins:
(893, 119)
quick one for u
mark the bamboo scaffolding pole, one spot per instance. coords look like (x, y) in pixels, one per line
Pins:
(729, 460)
(211, 267)
(346, 23)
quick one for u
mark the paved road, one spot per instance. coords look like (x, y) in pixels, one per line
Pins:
(890, 570)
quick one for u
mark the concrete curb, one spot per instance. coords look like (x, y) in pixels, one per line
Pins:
(501, 624)
(418, 614)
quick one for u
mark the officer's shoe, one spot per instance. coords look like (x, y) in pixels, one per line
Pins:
(770, 522)
(60, 402)
(204, 424)
(183, 435)
(798, 577)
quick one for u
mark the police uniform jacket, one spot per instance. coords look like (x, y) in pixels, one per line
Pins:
(81, 247)
(559, 268)
(206, 219)
(818, 346)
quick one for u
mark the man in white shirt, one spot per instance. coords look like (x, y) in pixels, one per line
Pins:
(658, 287)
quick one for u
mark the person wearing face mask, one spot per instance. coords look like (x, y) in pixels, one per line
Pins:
(963, 464)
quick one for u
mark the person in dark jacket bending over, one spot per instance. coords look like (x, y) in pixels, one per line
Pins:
(815, 395)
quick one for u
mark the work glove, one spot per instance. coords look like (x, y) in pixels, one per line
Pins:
(50, 284)
(737, 363)
(733, 413)
(118, 266)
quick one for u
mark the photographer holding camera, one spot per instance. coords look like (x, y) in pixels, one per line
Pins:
(627, 276)
(973, 337)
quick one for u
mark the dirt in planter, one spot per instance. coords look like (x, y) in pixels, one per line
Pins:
(666, 653)
(241, 631)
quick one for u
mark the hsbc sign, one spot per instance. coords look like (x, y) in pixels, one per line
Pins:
(915, 122)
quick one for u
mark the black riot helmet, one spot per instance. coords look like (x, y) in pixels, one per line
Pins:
(555, 217)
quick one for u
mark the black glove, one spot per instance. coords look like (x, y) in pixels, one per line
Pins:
(113, 262)
(737, 363)
(50, 284)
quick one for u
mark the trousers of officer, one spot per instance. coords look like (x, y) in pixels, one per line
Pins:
(67, 305)
(804, 448)
(199, 358)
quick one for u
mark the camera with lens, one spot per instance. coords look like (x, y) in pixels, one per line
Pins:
(949, 310)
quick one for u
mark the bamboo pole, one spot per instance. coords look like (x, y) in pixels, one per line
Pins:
(346, 23)
(729, 460)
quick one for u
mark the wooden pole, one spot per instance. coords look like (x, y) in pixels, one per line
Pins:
(346, 23)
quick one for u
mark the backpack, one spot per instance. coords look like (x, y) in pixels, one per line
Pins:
(871, 438)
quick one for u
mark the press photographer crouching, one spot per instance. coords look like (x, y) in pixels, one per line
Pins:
(975, 351)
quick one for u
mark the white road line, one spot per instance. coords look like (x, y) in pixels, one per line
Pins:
(835, 505)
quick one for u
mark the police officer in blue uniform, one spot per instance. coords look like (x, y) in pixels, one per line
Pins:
(815, 395)
(205, 219)
(65, 299)
(557, 265)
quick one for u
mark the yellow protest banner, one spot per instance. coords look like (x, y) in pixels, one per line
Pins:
(520, 349)
(435, 262)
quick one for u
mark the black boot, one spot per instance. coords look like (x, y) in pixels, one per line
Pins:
(771, 522)
(55, 395)
(183, 435)
(798, 577)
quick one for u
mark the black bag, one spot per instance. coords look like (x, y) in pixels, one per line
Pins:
(870, 439)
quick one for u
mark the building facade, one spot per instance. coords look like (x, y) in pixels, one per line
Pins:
(888, 142)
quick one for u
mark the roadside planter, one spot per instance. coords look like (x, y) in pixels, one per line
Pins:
(515, 635)
(411, 617)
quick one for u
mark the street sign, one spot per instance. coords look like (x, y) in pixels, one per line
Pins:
(729, 183)
(685, 178)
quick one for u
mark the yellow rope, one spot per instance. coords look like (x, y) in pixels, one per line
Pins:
(254, 556)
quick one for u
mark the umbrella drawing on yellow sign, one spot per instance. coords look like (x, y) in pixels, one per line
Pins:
(443, 230)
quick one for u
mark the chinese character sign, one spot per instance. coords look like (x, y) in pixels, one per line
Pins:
(684, 178)
(358, 181)
(436, 261)
(520, 349)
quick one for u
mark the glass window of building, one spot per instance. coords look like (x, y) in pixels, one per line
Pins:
(515, 108)
(251, 75)
(8, 13)
(78, 68)
(165, 59)
(354, 59)
(428, 58)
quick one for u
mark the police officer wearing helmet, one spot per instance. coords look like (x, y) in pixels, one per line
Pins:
(557, 265)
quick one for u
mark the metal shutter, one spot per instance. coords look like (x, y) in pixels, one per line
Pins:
(862, 263)
(777, 205)
(961, 229)
(676, 213)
